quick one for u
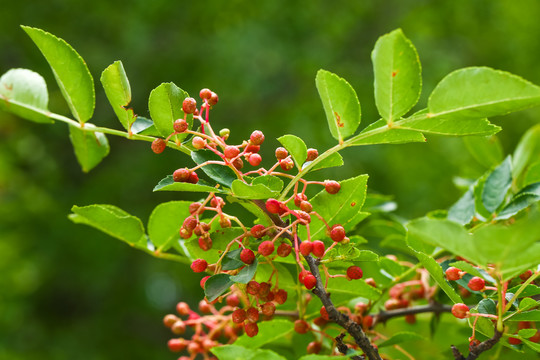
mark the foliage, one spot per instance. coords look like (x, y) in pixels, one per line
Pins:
(493, 226)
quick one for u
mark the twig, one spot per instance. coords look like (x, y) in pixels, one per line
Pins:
(476, 350)
(433, 307)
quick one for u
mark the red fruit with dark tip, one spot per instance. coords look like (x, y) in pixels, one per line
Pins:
(268, 309)
(284, 249)
(205, 243)
(286, 164)
(252, 314)
(158, 145)
(183, 308)
(477, 284)
(251, 329)
(324, 313)
(256, 138)
(238, 163)
(189, 105)
(176, 345)
(181, 175)
(318, 248)
(310, 281)
(254, 159)
(331, 186)
(231, 152)
(247, 256)
(281, 296)
(461, 311)
(281, 153)
(301, 326)
(253, 287)
(213, 99)
(205, 94)
(257, 231)
(199, 265)
(238, 316)
(203, 281)
(354, 273)
(306, 247)
(298, 198)
(180, 125)
(453, 273)
(312, 154)
(266, 248)
(337, 233)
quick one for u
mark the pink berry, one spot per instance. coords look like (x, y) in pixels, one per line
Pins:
(251, 329)
(247, 256)
(312, 154)
(233, 300)
(324, 313)
(199, 265)
(254, 159)
(231, 152)
(170, 319)
(268, 308)
(266, 248)
(477, 284)
(314, 347)
(281, 153)
(205, 94)
(180, 125)
(337, 233)
(301, 326)
(158, 145)
(176, 345)
(193, 178)
(253, 287)
(189, 105)
(286, 164)
(252, 314)
(461, 311)
(198, 142)
(527, 274)
(181, 175)
(306, 206)
(252, 149)
(354, 273)
(318, 248)
(257, 231)
(331, 186)
(306, 247)
(310, 281)
(238, 316)
(183, 308)
(203, 281)
(453, 273)
(256, 138)
(273, 206)
(284, 250)
(213, 99)
(281, 296)
(205, 243)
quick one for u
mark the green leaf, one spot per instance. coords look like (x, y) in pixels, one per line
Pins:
(487, 306)
(486, 150)
(112, 221)
(216, 285)
(532, 345)
(463, 210)
(144, 126)
(497, 185)
(533, 315)
(246, 274)
(231, 260)
(269, 331)
(530, 290)
(474, 271)
(332, 160)
(526, 152)
(165, 222)
(90, 146)
(340, 104)
(220, 239)
(518, 203)
(341, 208)
(527, 333)
(398, 80)
(272, 182)
(436, 273)
(116, 86)
(527, 304)
(479, 92)
(296, 147)
(24, 93)
(70, 71)
(168, 184)
(252, 208)
(379, 133)
(401, 337)
(533, 174)
(165, 105)
(258, 191)
(447, 125)
(235, 352)
(343, 290)
(219, 173)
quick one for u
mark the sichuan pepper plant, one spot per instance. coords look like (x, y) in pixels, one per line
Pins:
(299, 268)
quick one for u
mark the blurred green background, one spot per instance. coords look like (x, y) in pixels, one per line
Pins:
(70, 292)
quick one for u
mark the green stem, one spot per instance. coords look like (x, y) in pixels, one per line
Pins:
(500, 309)
(120, 133)
(519, 291)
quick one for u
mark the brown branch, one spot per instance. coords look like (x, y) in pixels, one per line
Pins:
(433, 307)
(476, 350)
(353, 328)
(344, 349)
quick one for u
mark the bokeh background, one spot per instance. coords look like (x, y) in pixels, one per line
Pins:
(70, 292)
